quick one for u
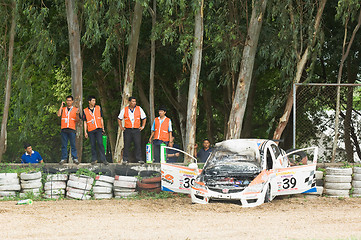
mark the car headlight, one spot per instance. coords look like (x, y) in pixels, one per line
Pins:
(255, 188)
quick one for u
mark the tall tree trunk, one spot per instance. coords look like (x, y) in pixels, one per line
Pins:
(182, 117)
(300, 67)
(3, 135)
(247, 127)
(76, 67)
(345, 53)
(152, 63)
(208, 107)
(245, 76)
(194, 81)
(129, 72)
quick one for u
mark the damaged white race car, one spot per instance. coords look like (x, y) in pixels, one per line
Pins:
(252, 171)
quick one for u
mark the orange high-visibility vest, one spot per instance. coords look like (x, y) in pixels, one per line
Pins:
(161, 130)
(127, 122)
(93, 119)
(68, 118)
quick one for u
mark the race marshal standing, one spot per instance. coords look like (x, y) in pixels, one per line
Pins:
(162, 132)
(94, 128)
(133, 116)
(69, 117)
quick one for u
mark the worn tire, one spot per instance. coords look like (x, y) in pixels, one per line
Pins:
(125, 184)
(75, 195)
(102, 190)
(338, 186)
(104, 179)
(148, 173)
(357, 191)
(57, 177)
(79, 185)
(116, 189)
(125, 178)
(31, 184)
(103, 184)
(356, 184)
(357, 170)
(337, 193)
(141, 185)
(9, 181)
(339, 171)
(338, 179)
(103, 195)
(357, 177)
(81, 178)
(33, 190)
(76, 190)
(30, 181)
(54, 185)
(4, 176)
(55, 192)
(30, 176)
(319, 175)
(103, 172)
(125, 194)
(152, 180)
(14, 187)
(7, 193)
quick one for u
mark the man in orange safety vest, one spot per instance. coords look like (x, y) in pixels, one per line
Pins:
(134, 122)
(161, 131)
(94, 128)
(69, 116)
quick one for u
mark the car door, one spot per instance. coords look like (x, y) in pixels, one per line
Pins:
(293, 180)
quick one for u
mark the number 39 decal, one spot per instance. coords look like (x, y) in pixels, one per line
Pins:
(289, 183)
(188, 182)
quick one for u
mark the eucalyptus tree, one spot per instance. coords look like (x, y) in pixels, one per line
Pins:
(4, 121)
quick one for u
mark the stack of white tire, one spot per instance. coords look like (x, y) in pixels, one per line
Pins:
(30, 182)
(78, 187)
(9, 184)
(356, 182)
(103, 187)
(338, 182)
(55, 186)
(124, 186)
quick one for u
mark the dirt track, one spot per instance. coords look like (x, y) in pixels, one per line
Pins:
(295, 218)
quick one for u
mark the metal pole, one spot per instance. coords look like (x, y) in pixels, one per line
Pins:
(294, 115)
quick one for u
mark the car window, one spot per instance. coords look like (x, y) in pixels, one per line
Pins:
(275, 150)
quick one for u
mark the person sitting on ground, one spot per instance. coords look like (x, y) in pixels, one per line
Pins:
(172, 155)
(31, 156)
(204, 153)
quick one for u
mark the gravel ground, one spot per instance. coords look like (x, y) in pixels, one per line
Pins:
(176, 218)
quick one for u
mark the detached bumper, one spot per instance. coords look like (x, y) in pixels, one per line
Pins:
(247, 199)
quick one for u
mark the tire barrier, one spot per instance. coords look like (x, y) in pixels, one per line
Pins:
(82, 184)
(356, 182)
(9, 184)
(55, 186)
(30, 184)
(103, 187)
(150, 184)
(124, 186)
(338, 182)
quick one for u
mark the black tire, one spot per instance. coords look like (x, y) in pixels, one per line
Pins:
(267, 197)
(125, 171)
(103, 171)
(70, 170)
(149, 173)
(319, 182)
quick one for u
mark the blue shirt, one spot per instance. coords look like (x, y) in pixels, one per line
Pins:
(33, 158)
(203, 154)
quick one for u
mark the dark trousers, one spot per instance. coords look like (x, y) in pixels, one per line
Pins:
(156, 149)
(96, 136)
(65, 137)
(132, 135)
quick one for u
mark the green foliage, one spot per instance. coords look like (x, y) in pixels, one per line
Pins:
(85, 172)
